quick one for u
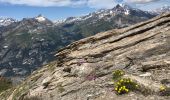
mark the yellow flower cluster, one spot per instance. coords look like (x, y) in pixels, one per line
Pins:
(125, 85)
(162, 88)
(122, 89)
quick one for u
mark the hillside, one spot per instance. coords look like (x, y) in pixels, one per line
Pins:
(30, 43)
(84, 69)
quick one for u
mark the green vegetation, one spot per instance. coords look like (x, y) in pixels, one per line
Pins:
(164, 91)
(20, 91)
(123, 85)
(117, 74)
(4, 84)
(24, 40)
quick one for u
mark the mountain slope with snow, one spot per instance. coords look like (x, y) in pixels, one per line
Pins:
(108, 14)
(118, 17)
(162, 9)
(6, 21)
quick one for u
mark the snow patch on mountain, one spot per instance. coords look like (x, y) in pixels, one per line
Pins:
(107, 14)
(40, 18)
(6, 21)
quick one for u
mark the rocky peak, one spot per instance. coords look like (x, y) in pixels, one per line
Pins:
(121, 8)
(37, 21)
(118, 6)
(6, 21)
(40, 18)
(83, 69)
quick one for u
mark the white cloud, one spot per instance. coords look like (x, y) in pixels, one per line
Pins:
(101, 3)
(46, 3)
(139, 1)
(90, 3)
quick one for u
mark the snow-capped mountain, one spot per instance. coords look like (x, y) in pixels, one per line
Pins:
(57, 22)
(110, 13)
(6, 21)
(162, 10)
(41, 19)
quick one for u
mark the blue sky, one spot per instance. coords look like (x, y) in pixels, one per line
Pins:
(60, 9)
(20, 11)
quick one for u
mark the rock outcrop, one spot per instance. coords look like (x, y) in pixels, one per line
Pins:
(83, 70)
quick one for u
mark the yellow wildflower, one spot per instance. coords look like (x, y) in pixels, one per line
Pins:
(121, 80)
(118, 83)
(126, 90)
(162, 88)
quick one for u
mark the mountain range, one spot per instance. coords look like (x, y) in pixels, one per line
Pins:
(131, 63)
(162, 10)
(6, 21)
(32, 42)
